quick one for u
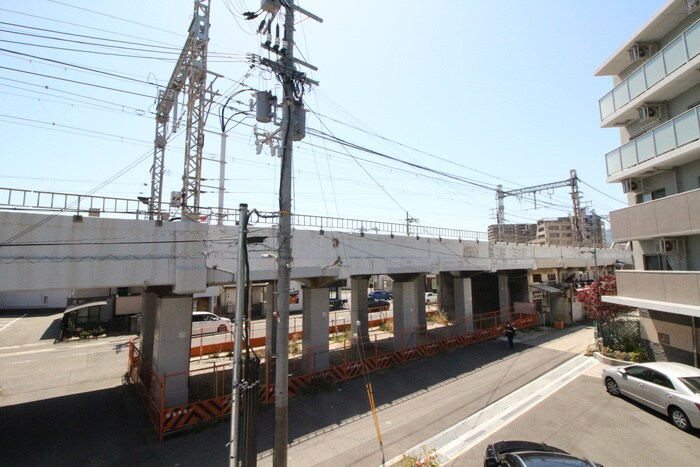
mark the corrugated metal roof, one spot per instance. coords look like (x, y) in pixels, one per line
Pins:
(546, 288)
(84, 305)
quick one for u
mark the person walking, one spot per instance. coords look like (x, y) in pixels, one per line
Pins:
(510, 334)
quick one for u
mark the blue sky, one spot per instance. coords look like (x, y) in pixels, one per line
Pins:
(486, 92)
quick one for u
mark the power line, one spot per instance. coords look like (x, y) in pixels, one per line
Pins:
(79, 67)
(109, 88)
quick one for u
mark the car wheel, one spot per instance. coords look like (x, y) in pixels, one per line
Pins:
(222, 328)
(679, 418)
(612, 387)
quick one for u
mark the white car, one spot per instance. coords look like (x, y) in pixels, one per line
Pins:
(670, 388)
(204, 322)
(430, 298)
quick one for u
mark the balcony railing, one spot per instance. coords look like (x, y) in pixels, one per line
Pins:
(671, 135)
(676, 54)
(673, 215)
(42, 201)
(664, 286)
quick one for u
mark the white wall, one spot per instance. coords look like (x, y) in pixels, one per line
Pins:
(35, 299)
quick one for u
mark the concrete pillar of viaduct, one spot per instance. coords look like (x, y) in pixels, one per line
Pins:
(503, 296)
(315, 323)
(148, 325)
(457, 300)
(166, 336)
(358, 307)
(409, 309)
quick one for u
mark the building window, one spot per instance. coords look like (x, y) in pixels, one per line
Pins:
(552, 277)
(537, 278)
(88, 315)
(650, 196)
(661, 262)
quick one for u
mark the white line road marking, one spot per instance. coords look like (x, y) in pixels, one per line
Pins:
(12, 322)
(462, 436)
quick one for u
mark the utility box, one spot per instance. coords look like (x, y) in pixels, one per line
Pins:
(299, 126)
(263, 106)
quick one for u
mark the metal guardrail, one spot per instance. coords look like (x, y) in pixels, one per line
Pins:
(44, 201)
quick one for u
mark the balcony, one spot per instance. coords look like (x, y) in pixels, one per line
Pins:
(669, 291)
(680, 56)
(673, 215)
(674, 143)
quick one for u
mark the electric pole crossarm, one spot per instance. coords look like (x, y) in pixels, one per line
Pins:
(286, 70)
(277, 50)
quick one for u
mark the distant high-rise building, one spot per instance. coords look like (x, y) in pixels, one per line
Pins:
(559, 231)
(513, 233)
(654, 102)
(562, 231)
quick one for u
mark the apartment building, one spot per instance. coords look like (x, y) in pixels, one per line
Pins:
(655, 103)
(561, 231)
(512, 233)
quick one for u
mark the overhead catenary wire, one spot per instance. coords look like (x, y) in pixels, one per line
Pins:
(381, 167)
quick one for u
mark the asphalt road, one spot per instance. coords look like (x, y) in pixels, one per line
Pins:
(91, 419)
(583, 420)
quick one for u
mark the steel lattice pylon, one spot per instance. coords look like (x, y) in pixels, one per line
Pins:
(189, 76)
(572, 182)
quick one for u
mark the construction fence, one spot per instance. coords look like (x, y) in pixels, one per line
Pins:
(345, 359)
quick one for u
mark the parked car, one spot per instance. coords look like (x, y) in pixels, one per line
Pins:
(204, 322)
(529, 453)
(337, 304)
(381, 295)
(670, 388)
(430, 298)
(374, 304)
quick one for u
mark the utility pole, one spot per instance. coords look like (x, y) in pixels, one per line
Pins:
(293, 129)
(241, 287)
(284, 255)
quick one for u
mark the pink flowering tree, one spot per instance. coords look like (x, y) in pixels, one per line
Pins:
(590, 298)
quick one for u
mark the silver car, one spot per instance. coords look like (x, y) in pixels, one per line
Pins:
(670, 388)
(204, 322)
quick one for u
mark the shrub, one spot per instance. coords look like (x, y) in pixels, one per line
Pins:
(439, 317)
(638, 355)
(294, 347)
(341, 337)
(424, 457)
(387, 325)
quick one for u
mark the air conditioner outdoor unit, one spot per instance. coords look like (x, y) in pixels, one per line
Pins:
(693, 5)
(639, 51)
(649, 112)
(664, 246)
(626, 185)
(633, 184)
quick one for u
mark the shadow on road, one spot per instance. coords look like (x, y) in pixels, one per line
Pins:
(110, 427)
